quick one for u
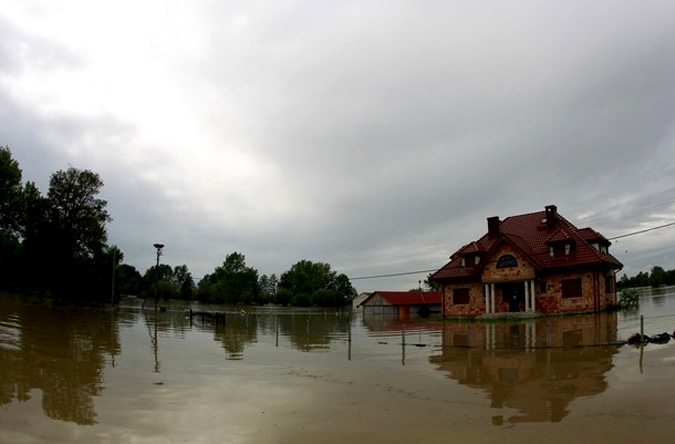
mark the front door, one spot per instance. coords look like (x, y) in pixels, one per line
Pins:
(513, 294)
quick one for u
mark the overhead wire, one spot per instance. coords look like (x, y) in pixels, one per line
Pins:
(407, 273)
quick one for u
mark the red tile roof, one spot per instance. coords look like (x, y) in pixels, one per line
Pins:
(408, 297)
(531, 233)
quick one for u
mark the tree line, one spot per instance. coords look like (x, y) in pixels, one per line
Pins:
(657, 277)
(55, 245)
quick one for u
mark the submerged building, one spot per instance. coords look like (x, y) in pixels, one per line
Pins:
(402, 304)
(533, 263)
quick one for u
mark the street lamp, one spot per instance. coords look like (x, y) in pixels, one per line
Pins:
(159, 253)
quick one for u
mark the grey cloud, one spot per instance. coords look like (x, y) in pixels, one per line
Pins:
(396, 129)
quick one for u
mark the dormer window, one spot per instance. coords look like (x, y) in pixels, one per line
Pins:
(477, 259)
(507, 261)
(567, 249)
(462, 262)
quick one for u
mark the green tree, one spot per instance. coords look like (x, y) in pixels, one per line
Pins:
(160, 277)
(432, 285)
(267, 286)
(207, 291)
(234, 282)
(237, 283)
(345, 292)
(306, 278)
(129, 280)
(182, 279)
(78, 215)
(657, 277)
(283, 297)
(65, 237)
(11, 194)
(36, 253)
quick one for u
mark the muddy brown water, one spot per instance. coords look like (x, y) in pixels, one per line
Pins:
(128, 375)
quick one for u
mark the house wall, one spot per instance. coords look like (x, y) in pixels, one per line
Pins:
(377, 305)
(524, 271)
(376, 300)
(476, 305)
(592, 287)
(372, 310)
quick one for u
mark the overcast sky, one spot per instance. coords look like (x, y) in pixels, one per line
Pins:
(375, 136)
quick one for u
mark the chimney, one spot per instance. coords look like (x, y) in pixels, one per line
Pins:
(493, 226)
(551, 216)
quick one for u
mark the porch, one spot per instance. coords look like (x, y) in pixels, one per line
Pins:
(510, 297)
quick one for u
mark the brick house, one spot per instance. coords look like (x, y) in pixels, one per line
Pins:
(535, 263)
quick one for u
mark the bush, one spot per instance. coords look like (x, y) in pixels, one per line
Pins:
(629, 298)
(283, 297)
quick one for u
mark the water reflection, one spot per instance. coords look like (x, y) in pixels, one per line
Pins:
(536, 367)
(58, 351)
(238, 331)
(530, 371)
(310, 332)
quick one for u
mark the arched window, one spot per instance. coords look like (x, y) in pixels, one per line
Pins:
(507, 261)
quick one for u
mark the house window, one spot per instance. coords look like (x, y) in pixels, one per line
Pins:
(542, 287)
(460, 296)
(567, 249)
(571, 288)
(609, 281)
(506, 261)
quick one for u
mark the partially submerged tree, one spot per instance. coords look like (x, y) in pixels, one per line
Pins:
(63, 249)
(10, 192)
(76, 233)
(233, 282)
(267, 286)
(315, 283)
(10, 216)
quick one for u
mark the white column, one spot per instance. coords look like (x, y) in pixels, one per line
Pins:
(486, 292)
(527, 296)
(493, 308)
(532, 294)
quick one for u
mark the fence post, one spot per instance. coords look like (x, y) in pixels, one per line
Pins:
(642, 328)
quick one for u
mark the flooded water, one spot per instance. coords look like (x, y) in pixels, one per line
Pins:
(128, 375)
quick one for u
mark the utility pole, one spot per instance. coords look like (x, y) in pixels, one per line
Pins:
(159, 253)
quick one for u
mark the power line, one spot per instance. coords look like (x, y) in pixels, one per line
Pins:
(403, 273)
(407, 273)
(641, 231)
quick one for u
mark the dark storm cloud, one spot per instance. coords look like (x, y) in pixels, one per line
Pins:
(389, 132)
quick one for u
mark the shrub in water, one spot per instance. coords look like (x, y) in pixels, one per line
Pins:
(629, 298)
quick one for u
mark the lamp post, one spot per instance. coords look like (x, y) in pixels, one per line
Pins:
(159, 253)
